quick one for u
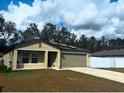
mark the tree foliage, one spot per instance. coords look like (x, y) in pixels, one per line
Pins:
(49, 32)
(8, 31)
(53, 33)
(31, 33)
(59, 35)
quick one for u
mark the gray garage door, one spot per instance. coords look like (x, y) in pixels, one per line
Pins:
(73, 60)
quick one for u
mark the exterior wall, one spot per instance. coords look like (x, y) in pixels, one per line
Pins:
(31, 66)
(37, 47)
(88, 60)
(40, 64)
(74, 60)
(41, 55)
(46, 59)
(58, 62)
(6, 59)
(107, 62)
(14, 57)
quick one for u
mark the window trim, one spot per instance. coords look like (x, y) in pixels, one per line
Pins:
(27, 56)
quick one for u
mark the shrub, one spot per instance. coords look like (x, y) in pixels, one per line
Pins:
(3, 68)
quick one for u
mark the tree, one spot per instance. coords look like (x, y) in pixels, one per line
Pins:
(83, 41)
(31, 33)
(2, 21)
(49, 32)
(59, 35)
(92, 43)
(72, 40)
(63, 36)
(99, 45)
(10, 35)
(116, 43)
(17, 38)
(104, 43)
(66, 37)
(7, 31)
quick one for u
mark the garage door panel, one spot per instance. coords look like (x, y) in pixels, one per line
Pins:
(73, 60)
(101, 62)
(107, 62)
(119, 62)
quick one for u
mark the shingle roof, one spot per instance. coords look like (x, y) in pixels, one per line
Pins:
(57, 45)
(109, 53)
(8, 49)
(69, 47)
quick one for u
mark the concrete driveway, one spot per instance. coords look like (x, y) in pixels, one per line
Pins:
(111, 75)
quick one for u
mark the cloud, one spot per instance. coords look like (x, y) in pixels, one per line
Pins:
(89, 17)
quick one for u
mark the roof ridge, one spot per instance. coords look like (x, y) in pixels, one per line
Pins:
(60, 46)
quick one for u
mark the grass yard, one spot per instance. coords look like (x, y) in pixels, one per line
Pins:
(55, 81)
(115, 69)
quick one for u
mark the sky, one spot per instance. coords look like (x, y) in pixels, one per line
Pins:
(90, 17)
(4, 3)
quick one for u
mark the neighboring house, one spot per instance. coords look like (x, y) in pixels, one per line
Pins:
(108, 59)
(35, 55)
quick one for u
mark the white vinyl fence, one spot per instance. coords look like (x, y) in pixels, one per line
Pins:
(107, 62)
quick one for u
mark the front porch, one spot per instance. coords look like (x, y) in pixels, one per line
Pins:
(35, 59)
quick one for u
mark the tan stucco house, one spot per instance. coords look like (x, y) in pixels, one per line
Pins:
(41, 54)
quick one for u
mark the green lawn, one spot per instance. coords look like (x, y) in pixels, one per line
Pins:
(55, 81)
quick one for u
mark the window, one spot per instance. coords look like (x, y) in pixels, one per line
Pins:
(30, 57)
(34, 60)
(34, 57)
(25, 58)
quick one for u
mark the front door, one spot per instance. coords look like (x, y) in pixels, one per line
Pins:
(51, 59)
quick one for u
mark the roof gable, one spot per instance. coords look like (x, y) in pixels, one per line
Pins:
(53, 45)
(37, 46)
